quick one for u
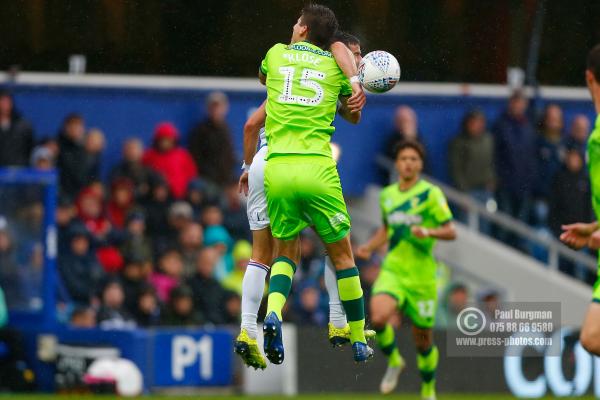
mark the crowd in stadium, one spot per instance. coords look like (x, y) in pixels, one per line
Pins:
(165, 239)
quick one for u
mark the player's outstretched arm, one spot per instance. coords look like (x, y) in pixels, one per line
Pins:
(251, 130)
(378, 239)
(444, 232)
(346, 112)
(345, 60)
(579, 235)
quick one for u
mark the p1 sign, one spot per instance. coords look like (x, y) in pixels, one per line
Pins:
(192, 358)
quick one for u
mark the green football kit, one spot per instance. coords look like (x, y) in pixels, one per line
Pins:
(593, 156)
(301, 180)
(302, 184)
(408, 273)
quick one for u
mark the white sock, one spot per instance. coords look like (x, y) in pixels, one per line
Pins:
(253, 288)
(337, 316)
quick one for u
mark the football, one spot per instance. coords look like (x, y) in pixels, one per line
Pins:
(379, 71)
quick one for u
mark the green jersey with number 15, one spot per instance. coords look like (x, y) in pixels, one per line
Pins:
(303, 85)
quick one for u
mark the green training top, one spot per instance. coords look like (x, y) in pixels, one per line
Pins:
(303, 86)
(422, 205)
(593, 158)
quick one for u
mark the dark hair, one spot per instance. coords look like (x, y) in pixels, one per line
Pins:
(593, 61)
(410, 144)
(321, 23)
(72, 117)
(346, 38)
(471, 115)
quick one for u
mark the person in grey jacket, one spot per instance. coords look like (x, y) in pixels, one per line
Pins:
(472, 158)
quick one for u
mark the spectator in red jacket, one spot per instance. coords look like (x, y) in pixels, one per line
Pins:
(172, 161)
(122, 201)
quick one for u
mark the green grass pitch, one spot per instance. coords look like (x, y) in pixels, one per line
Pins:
(300, 397)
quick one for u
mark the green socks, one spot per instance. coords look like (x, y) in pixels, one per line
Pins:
(386, 339)
(351, 295)
(427, 363)
(280, 284)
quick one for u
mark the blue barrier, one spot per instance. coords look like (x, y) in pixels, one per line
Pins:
(125, 112)
(166, 357)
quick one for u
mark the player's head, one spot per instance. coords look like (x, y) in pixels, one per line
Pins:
(592, 73)
(352, 42)
(410, 156)
(316, 24)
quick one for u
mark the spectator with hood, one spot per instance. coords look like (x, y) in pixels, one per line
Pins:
(78, 267)
(72, 155)
(16, 134)
(210, 142)
(170, 160)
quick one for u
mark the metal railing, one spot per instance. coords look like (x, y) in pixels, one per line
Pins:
(476, 212)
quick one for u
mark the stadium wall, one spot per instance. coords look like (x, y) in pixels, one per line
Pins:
(124, 106)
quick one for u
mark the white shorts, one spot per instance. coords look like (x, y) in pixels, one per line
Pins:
(257, 200)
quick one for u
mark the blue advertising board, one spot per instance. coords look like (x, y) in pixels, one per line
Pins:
(192, 358)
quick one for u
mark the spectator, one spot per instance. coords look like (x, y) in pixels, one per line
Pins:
(112, 313)
(455, 300)
(550, 153)
(570, 197)
(136, 242)
(578, 134)
(242, 252)
(472, 158)
(233, 308)
(42, 158)
(235, 217)
(122, 201)
(180, 214)
(72, 155)
(156, 208)
(65, 215)
(190, 243)
(133, 281)
(12, 278)
(78, 267)
(489, 304)
(515, 156)
(211, 216)
(180, 311)
(217, 237)
(170, 270)
(16, 134)
(170, 160)
(90, 211)
(148, 311)
(131, 167)
(94, 146)
(209, 295)
(405, 128)
(200, 194)
(308, 305)
(83, 317)
(210, 142)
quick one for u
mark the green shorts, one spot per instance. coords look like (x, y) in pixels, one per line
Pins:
(417, 302)
(596, 293)
(303, 191)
